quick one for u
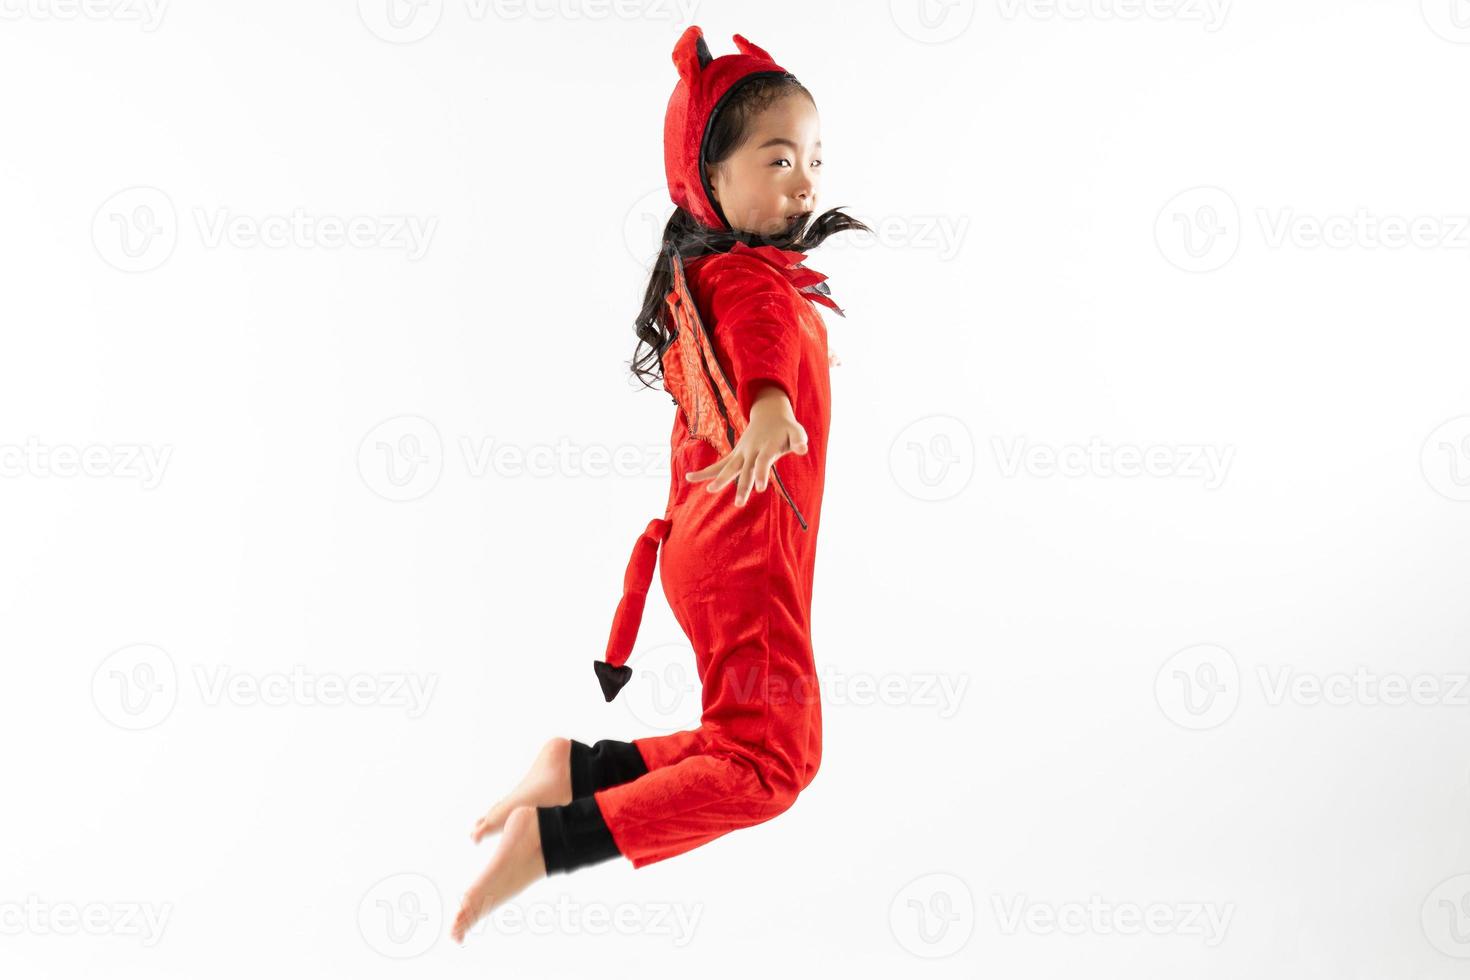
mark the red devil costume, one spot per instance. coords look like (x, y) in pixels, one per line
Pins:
(738, 578)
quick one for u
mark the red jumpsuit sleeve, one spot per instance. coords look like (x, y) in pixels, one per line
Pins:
(756, 325)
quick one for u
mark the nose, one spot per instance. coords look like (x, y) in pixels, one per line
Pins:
(805, 190)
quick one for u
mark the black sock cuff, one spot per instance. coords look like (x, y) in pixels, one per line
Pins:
(609, 762)
(581, 770)
(574, 836)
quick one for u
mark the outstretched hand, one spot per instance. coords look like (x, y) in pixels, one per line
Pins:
(772, 433)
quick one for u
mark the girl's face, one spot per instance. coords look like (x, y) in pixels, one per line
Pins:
(773, 177)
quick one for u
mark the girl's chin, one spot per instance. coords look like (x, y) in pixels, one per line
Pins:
(772, 227)
(780, 226)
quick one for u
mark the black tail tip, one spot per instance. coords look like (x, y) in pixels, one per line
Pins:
(611, 678)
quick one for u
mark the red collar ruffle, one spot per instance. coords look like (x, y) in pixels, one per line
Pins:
(809, 282)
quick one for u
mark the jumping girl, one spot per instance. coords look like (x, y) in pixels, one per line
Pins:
(742, 152)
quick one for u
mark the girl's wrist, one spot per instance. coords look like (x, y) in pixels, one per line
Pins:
(770, 397)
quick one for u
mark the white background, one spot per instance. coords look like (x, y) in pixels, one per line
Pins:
(1096, 226)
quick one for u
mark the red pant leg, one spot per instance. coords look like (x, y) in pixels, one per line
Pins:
(680, 806)
(738, 581)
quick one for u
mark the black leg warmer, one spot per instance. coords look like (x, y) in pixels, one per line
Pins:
(575, 835)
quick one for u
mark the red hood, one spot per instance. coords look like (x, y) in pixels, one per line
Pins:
(703, 83)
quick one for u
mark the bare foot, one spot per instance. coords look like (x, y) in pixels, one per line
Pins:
(517, 863)
(548, 783)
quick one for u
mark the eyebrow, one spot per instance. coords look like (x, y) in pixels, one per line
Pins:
(783, 141)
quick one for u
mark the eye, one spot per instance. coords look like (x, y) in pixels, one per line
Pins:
(780, 161)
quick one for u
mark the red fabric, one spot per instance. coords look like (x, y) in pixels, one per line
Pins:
(695, 94)
(636, 579)
(739, 581)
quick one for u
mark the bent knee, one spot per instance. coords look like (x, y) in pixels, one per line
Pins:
(767, 781)
(787, 783)
(811, 772)
(807, 773)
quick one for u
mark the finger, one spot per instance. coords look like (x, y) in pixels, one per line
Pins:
(798, 441)
(731, 470)
(742, 489)
(698, 476)
(762, 472)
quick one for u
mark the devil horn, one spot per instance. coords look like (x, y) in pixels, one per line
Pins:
(691, 54)
(751, 49)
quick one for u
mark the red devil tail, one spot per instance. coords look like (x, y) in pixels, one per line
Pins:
(612, 671)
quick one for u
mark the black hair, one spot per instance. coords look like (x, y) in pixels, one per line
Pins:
(683, 235)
